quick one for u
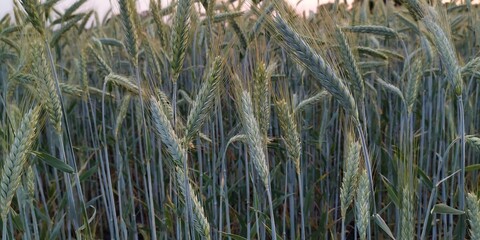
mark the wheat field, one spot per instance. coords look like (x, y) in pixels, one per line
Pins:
(240, 119)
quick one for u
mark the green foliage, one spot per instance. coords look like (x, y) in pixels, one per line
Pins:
(240, 120)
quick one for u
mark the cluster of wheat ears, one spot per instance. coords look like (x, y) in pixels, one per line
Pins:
(240, 120)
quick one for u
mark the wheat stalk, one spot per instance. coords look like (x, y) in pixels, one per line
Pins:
(256, 148)
(32, 8)
(413, 84)
(204, 100)
(16, 160)
(316, 65)
(165, 103)
(221, 17)
(261, 19)
(349, 181)
(240, 35)
(200, 221)
(311, 100)
(26, 80)
(82, 65)
(121, 115)
(30, 182)
(261, 97)
(446, 52)
(372, 29)
(165, 131)
(290, 135)
(128, 12)
(440, 39)
(350, 173)
(70, 10)
(474, 142)
(181, 26)
(72, 90)
(416, 9)
(362, 205)
(408, 214)
(46, 90)
(473, 213)
(254, 139)
(471, 68)
(371, 52)
(124, 82)
(65, 28)
(392, 88)
(350, 63)
(101, 63)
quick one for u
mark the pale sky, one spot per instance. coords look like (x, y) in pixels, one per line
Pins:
(102, 6)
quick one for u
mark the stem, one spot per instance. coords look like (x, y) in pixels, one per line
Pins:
(34, 220)
(291, 175)
(147, 162)
(71, 201)
(189, 210)
(247, 186)
(272, 220)
(105, 170)
(461, 183)
(224, 169)
(4, 234)
(284, 212)
(433, 196)
(67, 130)
(150, 200)
(302, 217)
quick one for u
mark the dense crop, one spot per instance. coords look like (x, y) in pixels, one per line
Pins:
(240, 120)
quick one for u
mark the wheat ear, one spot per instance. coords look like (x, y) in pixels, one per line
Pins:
(124, 82)
(350, 63)
(446, 51)
(372, 29)
(311, 100)
(180, 36)
(127, 13)
(204, 100)
(471, 68)
(413, 84)
(165, 131)
(256, 147)
(82, 69)
(33, 14)
(254, 139)
(101, 63)
(121, 114)
(261, 97)
(200, 221)
(349, 181)
(291, 137)
(165, 103)
(16, 160)
(408, 214)
(362, 205)
(473, 213)
(46, 87)
(350, 175)
(316, 65)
